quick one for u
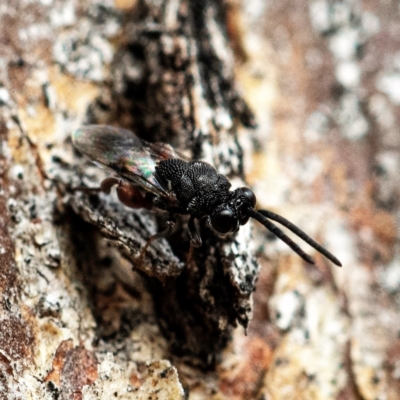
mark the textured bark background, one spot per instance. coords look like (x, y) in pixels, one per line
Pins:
(323, 80)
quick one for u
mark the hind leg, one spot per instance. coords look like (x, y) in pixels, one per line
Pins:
(104, 187)
(163, 234)
(128, 194)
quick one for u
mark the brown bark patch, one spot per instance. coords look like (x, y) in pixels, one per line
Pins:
(73, 368)
(245, 379)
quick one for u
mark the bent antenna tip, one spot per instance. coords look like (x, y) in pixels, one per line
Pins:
(337, 262)
(308, 258)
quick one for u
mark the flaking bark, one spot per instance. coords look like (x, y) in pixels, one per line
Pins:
(81, 318)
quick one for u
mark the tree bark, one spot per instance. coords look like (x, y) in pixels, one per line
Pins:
(84, 317)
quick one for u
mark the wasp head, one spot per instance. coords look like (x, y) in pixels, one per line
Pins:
(230, 215)
(240, 207)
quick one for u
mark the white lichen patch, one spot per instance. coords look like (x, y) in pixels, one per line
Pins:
(346, 36)
(161, 380)
(390, 85)
(86, 50)
(350, 117)
(390, 276)
(150, 345)
(285, 307)
(16, 172)
(63, 14)
(379, 106)
(341, 241)
(348, 73)
(371, 24)
(312, 167)
(344, 44)
(317, 125)
(158, 380)
(390, 162)
(225, 155)
(313, 350)
(28, 387)
(113, 382)
(369, 351)
(4, 95)
(254, 10)
(83, 60)
(218, 37)
(320, 15)
(244, 267)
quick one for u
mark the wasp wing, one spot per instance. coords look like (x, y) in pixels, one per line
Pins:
(122, 151)
(162, 151)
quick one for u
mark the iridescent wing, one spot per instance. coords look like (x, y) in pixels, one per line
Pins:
(122, 151)
(162, 151)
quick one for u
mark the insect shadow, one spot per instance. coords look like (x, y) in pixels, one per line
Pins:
(155, 176)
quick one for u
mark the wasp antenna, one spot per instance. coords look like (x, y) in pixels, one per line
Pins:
(299, 233)
(279, 234)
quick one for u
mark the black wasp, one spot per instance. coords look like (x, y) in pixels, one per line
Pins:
(153, 175)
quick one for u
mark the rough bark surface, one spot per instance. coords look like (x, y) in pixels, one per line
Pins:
(82, 317)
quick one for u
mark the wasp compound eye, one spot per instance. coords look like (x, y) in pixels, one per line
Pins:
(224, 221)
(250, 195)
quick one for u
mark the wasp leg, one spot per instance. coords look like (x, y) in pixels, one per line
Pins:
(108, 183)
(128, 194)
(86, 189)
(105, 186)
(163, 234)
(195, 238)
(194, 233)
